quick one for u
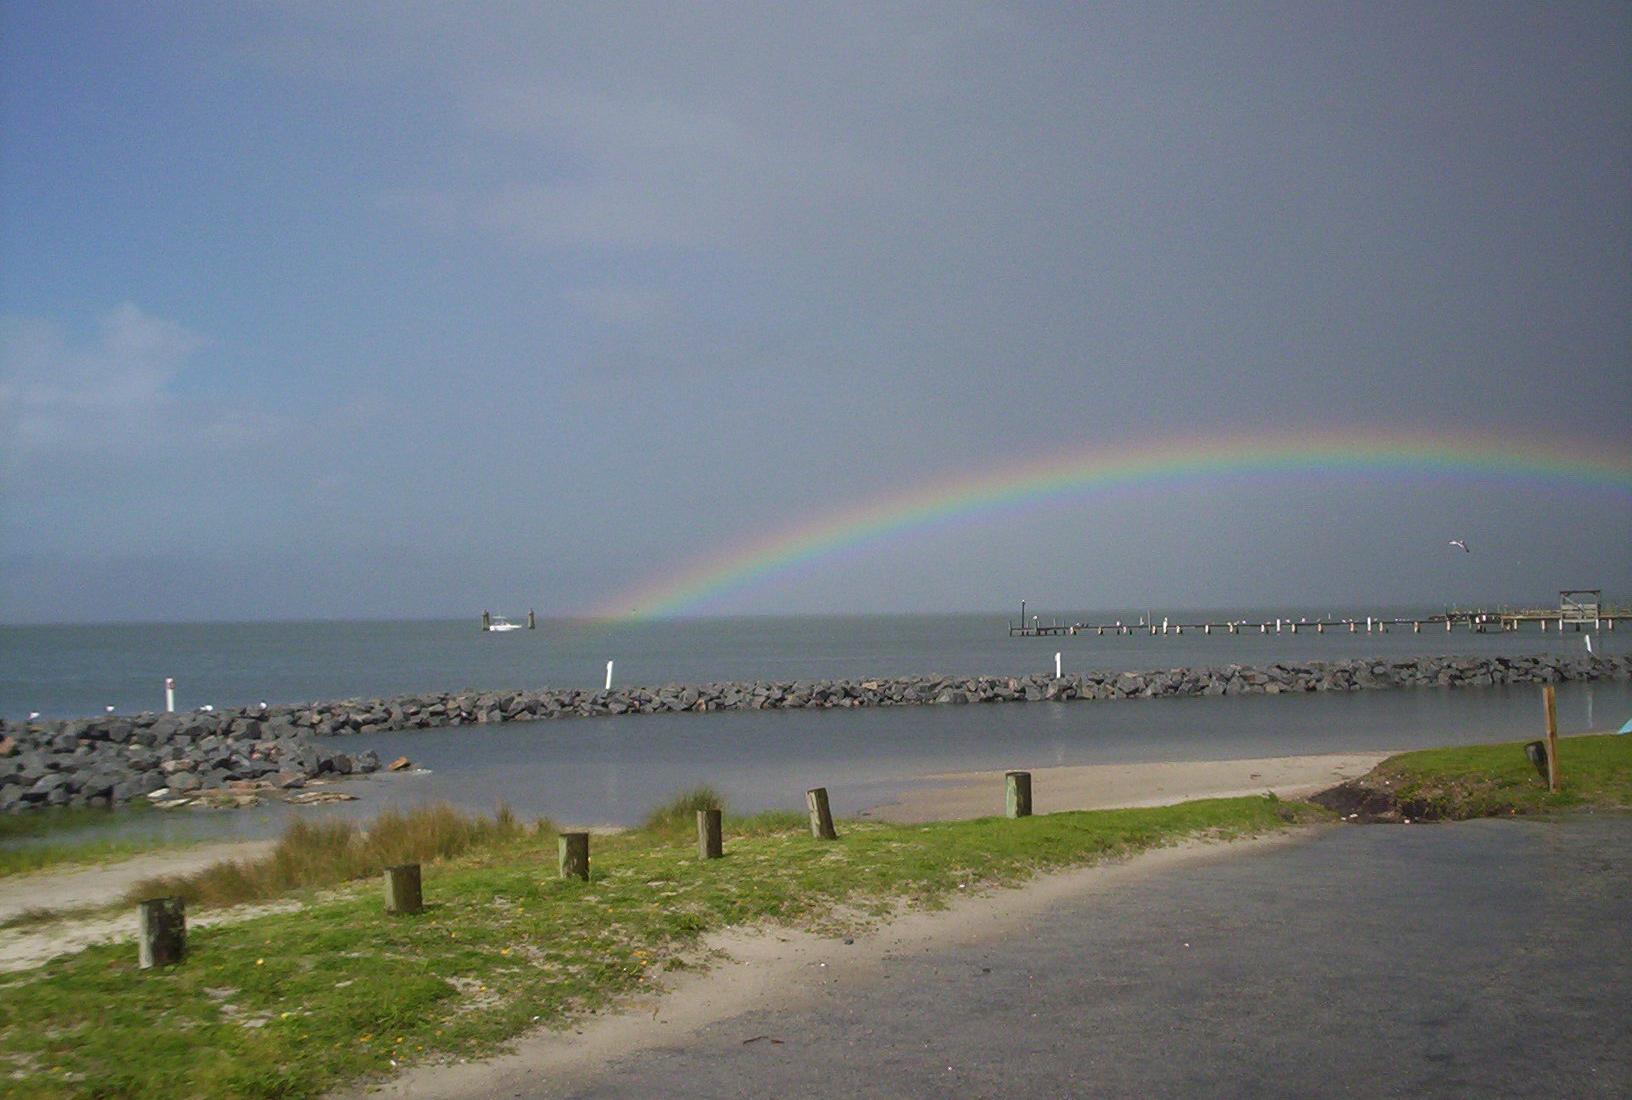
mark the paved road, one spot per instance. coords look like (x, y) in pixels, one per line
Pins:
(1489, 958)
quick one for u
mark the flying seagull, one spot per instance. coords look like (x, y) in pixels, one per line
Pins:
(1463, 543)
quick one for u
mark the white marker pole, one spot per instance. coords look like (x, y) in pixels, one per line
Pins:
(1589, 643)
(1057, 661)
(170, 694)
(609, 676)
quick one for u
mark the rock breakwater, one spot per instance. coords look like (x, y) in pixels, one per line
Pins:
(104, 761)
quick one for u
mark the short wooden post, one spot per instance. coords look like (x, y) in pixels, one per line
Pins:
(1017, 795)
(402, 889)
(573, 849)
(1552, 736)
(161, 932)
(821, 818)
(708, 834)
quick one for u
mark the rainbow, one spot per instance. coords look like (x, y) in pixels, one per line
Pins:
(1106, 469)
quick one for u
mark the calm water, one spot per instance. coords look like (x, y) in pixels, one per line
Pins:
(71, 671)
(613, 770)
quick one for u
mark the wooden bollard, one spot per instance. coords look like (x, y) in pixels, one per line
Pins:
(709, 845)
(573, 849)
(1552, 736)
(821, 818)
(1017, 794)
(402, 889)
(161, 932)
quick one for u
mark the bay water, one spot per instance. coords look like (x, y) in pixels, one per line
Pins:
(613, 770)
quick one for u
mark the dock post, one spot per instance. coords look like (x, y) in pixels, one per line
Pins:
(1416, 627)
(609, 676)
(1294, 628)
(1017, 794)
(1206, 628)
(821, 818)
(1448, 624)
(1263, 628)
(532, 620)
(402, 889)
(161, 932)
(1320, 628)
(1552, 736)
(708, 834)
(170, 695)
(1277, 626)
(572, 853)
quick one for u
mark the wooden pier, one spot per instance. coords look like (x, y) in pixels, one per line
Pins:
(1578, 611)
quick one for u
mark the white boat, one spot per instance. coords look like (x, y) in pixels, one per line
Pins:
(501, 623)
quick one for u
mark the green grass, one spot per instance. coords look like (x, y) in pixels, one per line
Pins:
(295, 1004)
(1497, 780)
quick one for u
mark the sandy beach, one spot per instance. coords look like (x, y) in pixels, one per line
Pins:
(957, 795)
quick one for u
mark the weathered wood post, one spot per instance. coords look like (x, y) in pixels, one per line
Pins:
(708, 834)
(161, 925)
(402, 889)
(532, 620)
(1552, 736)
(821, 818)
(487, 621)
(573, 849)
(1017, 794)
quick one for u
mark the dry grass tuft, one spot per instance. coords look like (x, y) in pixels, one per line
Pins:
(679, 814)
(314, 854)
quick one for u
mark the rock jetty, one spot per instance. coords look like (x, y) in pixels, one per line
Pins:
(103, 761)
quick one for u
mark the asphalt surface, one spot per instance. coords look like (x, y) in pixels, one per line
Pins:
(1487, 958)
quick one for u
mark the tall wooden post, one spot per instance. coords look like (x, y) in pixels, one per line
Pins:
(161, 932)
(708, 834)
(1017, 794)
(532, 620)
(487, 621)
(573, 850)
(821, 818)
(1552, 736)
(402, 889)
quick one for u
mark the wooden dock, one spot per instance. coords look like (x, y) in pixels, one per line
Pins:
(1573, 614)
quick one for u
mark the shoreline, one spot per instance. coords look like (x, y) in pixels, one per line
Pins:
(115, 759)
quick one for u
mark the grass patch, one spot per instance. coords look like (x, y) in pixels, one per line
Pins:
(312, 854)
(1595, 771)
(296, 1004)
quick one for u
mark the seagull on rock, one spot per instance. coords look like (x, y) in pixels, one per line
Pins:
(1463, 543)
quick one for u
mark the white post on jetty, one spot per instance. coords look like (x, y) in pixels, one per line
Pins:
(1057, 660)
(170, 694)
(609, 676)
(1277, 626)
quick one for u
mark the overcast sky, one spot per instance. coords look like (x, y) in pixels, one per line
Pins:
(354, 310)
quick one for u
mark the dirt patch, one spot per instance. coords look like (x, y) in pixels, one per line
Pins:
(1371, 800)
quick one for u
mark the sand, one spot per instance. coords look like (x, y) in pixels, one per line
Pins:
(958, 795)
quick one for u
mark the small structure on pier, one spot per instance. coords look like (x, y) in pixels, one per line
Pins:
(1579, 605)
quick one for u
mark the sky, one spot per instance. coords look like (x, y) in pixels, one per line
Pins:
(315, 310)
